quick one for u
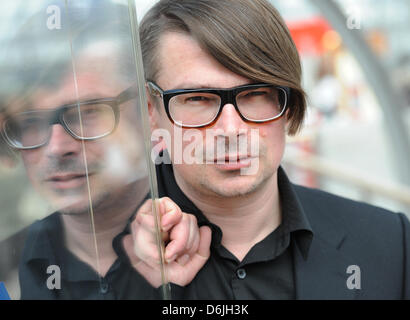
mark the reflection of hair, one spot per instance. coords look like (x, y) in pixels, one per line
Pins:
(7, 154)
(248, 37)
(41, 58)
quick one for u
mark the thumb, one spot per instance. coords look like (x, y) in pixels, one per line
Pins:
(149, 273)
(201, 256)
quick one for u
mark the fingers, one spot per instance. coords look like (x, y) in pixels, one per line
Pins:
(184, 239)
(204, 248)
(142, 244)
(144, 231)
(128, 244)
(149, 272)
(186, 252)
(146, 207)
(183, 272)
(202, 254)
(170, 213)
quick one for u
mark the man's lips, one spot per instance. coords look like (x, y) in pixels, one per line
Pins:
(230, 163)
(67, 180)
(232, 158)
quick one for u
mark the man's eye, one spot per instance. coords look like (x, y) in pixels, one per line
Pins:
(198, 99)
(90, 111)
(32, 122)
(255, 94)
(195, 99)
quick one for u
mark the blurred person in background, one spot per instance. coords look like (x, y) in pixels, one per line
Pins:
(327, 91)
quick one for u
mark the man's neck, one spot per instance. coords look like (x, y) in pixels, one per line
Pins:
(92, 242)
(244, 220)
(89, 236)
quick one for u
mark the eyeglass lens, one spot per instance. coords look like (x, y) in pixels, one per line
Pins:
(200, 108)
(33, 128)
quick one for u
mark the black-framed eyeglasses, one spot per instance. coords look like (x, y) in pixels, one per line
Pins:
(195, 108)
(86, 120)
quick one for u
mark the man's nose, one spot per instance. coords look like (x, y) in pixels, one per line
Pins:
(61, 143)
(230, 121)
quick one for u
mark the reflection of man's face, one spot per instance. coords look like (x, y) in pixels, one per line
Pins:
(184, 64)
(74, 174)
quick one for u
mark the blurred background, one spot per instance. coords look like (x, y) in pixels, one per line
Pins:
(356, 61)
(355, 142)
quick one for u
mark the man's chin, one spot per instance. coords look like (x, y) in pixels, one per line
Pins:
(233, 188)
(76, 210)
(79, 206)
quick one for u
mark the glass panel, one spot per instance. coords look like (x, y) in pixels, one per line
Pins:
(74, 162)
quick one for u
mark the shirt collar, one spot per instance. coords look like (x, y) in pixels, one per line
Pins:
(45, 245)
(294, 217)
(41, 235)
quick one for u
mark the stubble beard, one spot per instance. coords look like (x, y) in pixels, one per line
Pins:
(221, 190)
(87, 206)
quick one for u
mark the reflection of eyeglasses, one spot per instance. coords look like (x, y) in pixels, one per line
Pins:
(87, 120)
(194, 108)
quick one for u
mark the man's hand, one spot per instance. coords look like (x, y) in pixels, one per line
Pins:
(187, 246)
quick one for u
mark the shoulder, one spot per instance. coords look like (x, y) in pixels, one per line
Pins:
(375, 239)
(356, 216)
(42, 235)
(49, 221)
(49, 225)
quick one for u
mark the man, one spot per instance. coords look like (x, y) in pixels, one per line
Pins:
(230, 68)
(79, 137)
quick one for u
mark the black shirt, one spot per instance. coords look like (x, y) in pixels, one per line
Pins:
(266, 272)
(45, 247)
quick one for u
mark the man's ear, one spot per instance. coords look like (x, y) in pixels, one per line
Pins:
(154, 116)
(152, 110)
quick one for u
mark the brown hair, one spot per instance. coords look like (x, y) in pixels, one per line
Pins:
(249, 37)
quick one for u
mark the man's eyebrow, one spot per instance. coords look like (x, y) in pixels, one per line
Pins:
(84, 99)
(63, 103)
(88, 98)
(189, 85)
(192, 85)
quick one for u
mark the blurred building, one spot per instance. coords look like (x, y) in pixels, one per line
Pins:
(346, 145)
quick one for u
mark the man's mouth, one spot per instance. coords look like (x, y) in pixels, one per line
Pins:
(231, 158)
(67, 180)
(233, 162)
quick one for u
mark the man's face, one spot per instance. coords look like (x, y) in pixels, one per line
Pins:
(74, 174)
(183, 65)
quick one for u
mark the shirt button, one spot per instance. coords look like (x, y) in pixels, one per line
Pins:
(241, 273)
(104, 287)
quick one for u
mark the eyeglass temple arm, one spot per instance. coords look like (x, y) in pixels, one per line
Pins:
(154, 89)
(128, 94)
